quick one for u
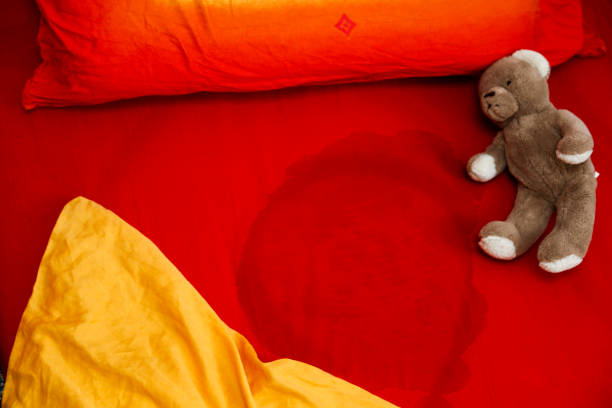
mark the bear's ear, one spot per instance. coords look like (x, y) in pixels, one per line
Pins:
(537, 60)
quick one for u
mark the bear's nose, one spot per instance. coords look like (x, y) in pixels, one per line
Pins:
(489, 94)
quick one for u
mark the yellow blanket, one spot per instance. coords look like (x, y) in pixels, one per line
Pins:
(112, 323)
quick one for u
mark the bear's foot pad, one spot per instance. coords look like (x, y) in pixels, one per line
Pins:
(562, 264)
(498, 247)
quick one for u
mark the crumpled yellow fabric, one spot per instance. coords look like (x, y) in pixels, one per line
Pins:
(112, 323)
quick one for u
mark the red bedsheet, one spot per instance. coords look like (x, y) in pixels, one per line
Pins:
(333, 225)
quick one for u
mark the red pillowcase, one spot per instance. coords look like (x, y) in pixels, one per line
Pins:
(102, 50)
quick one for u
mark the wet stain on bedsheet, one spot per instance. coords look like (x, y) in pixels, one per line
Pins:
(361, 265)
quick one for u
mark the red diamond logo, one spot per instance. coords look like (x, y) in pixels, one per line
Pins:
(345, 24)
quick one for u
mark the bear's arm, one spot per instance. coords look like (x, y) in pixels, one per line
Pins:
(485, 166)
(576, 144)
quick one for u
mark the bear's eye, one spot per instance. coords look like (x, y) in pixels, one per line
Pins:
(508, 82)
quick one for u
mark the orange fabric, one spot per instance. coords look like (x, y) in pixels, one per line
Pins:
(103, 50)
(112, 323)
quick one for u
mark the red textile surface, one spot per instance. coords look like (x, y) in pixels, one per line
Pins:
(97, 51)
(333, 225)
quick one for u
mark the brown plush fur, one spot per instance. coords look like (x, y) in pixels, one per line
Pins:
(538, 144)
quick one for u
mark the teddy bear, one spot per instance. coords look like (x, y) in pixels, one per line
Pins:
(548, 151)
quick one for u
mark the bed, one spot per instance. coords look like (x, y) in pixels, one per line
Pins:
(331, 224)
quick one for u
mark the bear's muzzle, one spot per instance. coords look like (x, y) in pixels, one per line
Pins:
(498, 104)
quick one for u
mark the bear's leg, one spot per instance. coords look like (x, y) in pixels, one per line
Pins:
(567, 244)
(527, 221)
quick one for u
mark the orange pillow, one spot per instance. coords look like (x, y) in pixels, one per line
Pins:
(102, 50)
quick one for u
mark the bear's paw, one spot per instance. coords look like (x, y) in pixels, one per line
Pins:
(560, 265)
(498, 247)
(482, 168)
(574, 158)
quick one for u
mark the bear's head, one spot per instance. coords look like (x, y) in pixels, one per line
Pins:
(514, 86)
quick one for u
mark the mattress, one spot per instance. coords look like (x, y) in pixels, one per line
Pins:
(333, 225)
